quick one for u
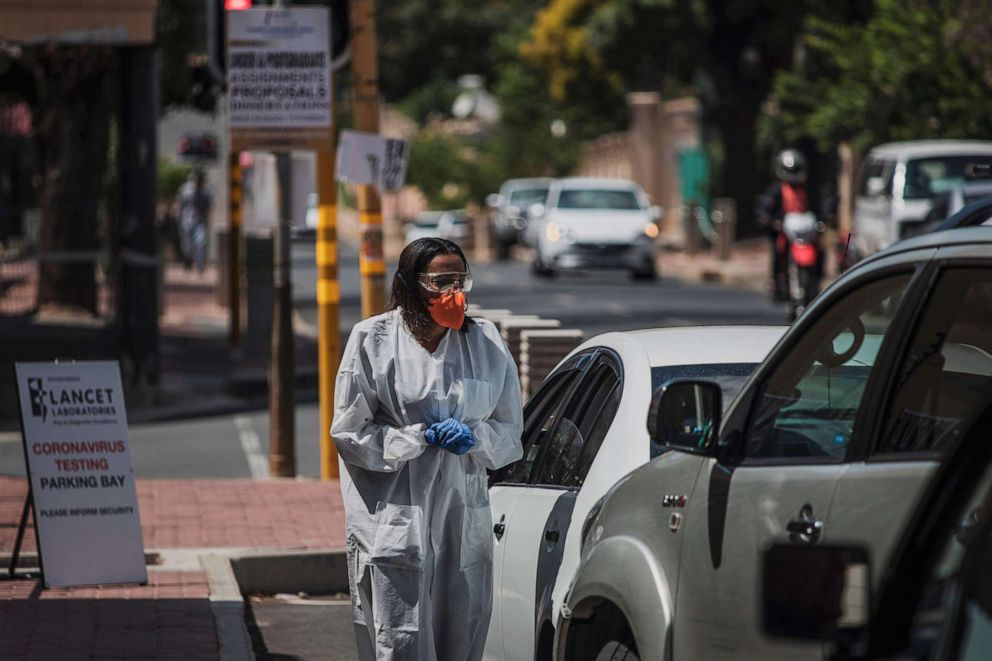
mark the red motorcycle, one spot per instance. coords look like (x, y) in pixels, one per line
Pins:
(801, 240)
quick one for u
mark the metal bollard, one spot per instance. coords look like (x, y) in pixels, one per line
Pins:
(725, 219)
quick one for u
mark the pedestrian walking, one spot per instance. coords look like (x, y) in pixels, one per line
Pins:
(194, 215)
(426, 400)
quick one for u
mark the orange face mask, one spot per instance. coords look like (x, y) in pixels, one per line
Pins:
(448, 309)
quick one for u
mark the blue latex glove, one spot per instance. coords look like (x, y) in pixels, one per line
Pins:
(450, 435)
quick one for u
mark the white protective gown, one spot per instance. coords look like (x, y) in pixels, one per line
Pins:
(419, 529)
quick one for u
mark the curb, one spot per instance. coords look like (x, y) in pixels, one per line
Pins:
(236, 573)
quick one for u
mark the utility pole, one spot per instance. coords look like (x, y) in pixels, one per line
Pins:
(282, 442)
(328, 306)
(234, 249)
(371, 260)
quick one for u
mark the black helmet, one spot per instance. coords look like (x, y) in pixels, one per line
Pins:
(790, 167)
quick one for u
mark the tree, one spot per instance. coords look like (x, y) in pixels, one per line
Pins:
(425, 41)
(74, 102)
(915, 69)
(727, 50)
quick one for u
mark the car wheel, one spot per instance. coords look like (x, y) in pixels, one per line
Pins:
(645, 274)
(617, 651)
(503, 250)
(540, 270)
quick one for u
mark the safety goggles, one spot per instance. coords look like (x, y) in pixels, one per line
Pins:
(443, 283)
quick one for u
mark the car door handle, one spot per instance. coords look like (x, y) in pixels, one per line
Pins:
(499, 529)
(806, 528)
(551, 536)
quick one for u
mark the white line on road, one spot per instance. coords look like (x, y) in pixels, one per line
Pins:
(10, 437)
(252, 447)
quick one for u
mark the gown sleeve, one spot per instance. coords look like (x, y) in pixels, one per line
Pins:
(359, 439)
(497, 438)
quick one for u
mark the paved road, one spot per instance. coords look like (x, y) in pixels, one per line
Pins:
(237, 446)
(594, 302)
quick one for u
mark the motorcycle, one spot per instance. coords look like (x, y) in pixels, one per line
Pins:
(802, 233)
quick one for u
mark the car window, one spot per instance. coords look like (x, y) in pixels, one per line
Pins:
(806, 407)
(974, 621)
(541, 415)
(941, 590)
(528, 196)
(729, 376)
(945, 378)
(926, 177)
(585, 419)
(598, 199)
(873, 169)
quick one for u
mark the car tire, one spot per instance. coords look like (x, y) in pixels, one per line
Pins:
(617, 651)
(646, 274)
(503, 250)
(540, 270)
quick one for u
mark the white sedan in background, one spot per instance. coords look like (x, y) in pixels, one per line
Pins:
(584, 429)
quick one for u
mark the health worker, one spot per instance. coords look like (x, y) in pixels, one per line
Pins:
(426, 400)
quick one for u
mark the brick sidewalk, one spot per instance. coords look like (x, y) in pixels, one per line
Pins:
(171, 616)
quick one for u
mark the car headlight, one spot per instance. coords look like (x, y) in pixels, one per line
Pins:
(555, 232)
(651, 231)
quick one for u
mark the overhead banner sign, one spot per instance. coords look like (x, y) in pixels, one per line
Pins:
(279, 78)
(79, 466)
(368, 158)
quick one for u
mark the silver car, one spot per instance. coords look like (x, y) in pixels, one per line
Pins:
(830, 441)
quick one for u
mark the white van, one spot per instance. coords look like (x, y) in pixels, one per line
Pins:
(897, 182)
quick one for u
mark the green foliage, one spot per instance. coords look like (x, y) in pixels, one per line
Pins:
(434, 98)
(421, 41)
(170, 177)
(450, 171)
(912, 71)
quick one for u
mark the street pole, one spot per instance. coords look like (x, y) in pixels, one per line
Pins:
(371, 261)
(328, 306)
(234, 249)
(282, 444)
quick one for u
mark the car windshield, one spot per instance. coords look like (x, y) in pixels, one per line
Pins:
(926, 177)
(522, 198)
(729, 376)
(588, 198)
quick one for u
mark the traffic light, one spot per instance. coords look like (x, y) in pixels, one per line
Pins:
(206, 86)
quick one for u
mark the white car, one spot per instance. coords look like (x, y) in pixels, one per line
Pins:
(831, 441)
(592, 223)
(583, 430)
(897, 183)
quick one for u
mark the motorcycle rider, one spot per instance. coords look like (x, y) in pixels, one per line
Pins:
(787, 195)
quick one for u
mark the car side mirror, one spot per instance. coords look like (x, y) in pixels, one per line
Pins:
(655, 212)
(685, 415)
(875, 186)
(536, 210)
(492, 200)
(815, 592)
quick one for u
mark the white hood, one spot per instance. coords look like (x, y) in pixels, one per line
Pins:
(601, 225)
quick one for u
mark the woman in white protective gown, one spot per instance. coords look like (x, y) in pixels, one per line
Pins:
(426, 400)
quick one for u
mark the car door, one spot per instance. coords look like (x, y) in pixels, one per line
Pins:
(509, 483)
(802, 411)
(537, 530)
(941, 383)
